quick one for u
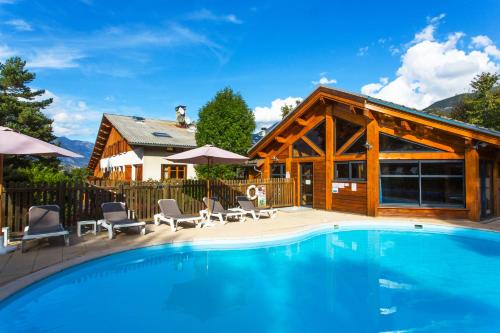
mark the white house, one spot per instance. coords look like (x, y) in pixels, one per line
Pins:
(134, 148)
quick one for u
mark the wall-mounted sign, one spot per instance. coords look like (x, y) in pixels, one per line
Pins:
(261, 195)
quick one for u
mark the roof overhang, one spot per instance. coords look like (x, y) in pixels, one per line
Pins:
(363, 102)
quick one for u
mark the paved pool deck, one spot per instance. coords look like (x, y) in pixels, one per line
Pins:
(42, 258)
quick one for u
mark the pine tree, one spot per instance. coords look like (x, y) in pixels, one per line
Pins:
(21, 109)
(225, 122)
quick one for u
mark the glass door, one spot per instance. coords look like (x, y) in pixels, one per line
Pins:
(486, 183)
(306, 184)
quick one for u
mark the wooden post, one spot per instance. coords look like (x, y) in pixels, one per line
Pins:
(297, 188)
(266, 168)
(329, 155)
(496, 183)
(288, 162)
(372, 166)
(472, 191)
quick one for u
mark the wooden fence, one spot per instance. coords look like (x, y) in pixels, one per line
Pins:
(80, 201)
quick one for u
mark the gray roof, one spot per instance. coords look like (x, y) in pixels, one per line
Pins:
(152, 132)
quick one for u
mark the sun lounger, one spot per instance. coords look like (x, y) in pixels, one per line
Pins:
(172, 215)
(222, 214)
(247, 206)
(116, 218)
(43, 222)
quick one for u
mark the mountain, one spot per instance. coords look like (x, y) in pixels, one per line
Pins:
(83, 148)
(444, 106)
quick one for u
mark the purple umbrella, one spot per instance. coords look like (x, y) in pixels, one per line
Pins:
(208, 155)
(14, 143)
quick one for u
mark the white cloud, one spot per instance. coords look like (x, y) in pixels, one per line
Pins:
(71, 117)
(428, 32)
(207, 15)
(266, 116)
(19, 24)
(67, 51)
(6, 52)
(435, 69)
(394, 50)
(371, 88)
(362, 51)
(55, 58)
(324, 80)
(481, 41)
(485, 43)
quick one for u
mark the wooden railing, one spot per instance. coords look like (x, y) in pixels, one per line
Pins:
(79, 201)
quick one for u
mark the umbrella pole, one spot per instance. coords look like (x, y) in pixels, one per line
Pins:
(208, 188)
(1, 193)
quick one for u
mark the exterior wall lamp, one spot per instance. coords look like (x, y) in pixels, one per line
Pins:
(480, 144)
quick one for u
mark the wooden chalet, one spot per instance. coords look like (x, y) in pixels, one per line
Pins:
(134, 148)
(354, 153)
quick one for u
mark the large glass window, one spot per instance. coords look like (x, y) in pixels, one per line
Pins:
(351, 170)
(389, 143)
(422, 183)
(278, 170)
(317, 136)
(302, 149)
(341, 170)
(358, 146)
(344, 130)
(399, 190)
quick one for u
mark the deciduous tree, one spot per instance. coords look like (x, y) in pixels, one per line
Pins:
(482, 106)
(226, 122)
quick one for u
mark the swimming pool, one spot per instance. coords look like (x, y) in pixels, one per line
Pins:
(346, 280)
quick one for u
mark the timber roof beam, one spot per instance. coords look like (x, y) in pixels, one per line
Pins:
(455, 130)
(280, 139)
(301, 121)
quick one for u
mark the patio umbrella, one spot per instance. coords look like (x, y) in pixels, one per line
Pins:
(14, 143)
(208, 155)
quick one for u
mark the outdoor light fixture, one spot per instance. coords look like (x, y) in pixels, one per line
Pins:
(368, 146)
(480, 144)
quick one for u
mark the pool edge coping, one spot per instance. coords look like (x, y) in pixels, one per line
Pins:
(242, 242)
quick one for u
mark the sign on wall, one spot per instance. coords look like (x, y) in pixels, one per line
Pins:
(261, 195)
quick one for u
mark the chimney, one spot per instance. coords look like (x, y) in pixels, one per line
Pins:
(263, 131)
(180, 115)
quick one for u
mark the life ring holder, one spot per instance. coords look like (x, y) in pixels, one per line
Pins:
(249, 189)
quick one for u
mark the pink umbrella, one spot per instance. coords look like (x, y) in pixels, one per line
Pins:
(14, 143)
(208, 155)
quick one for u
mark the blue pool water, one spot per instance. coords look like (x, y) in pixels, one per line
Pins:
(348, 281)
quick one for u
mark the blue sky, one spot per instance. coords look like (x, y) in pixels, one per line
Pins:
(146, 57)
